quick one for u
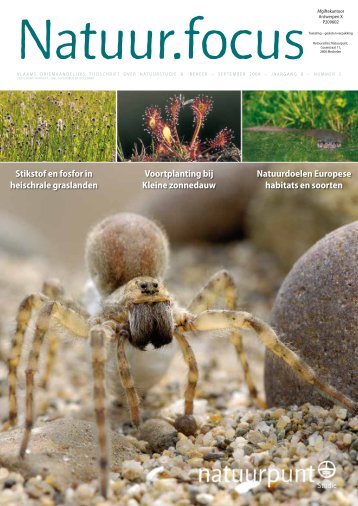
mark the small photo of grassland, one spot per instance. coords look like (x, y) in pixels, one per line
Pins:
(57, 126)
(293, 126)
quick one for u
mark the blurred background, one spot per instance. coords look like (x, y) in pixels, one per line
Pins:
(284, 223)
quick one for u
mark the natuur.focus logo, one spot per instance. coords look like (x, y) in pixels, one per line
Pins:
(326, 469)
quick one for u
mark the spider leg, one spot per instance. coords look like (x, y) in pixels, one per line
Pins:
(54, 291)
(53, 343)
(70, 321)
(222, 283)
(98, 336)
(212, 320)
(236, 339)
(127, 379)
(30, 303)
(193, 374)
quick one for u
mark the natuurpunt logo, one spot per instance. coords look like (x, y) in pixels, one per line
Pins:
(247, 479)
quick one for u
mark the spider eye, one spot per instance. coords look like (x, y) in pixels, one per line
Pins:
(155, 285)
(144, 285)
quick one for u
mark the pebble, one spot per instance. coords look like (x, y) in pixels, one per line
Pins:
(347, 439)
(283, 421)
(85, 491)
(204, 498)
(186, 424)
(338, 481)
(266, 499)
(158, 433)
(263, 427)
(184, 445)
(4, 473)
(196, 462)
(37, 488)
(315, 313)
(255, 437)
(341, 412)
(132, 470)
(301, 450)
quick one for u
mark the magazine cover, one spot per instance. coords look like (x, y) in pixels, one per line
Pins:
(178, 253)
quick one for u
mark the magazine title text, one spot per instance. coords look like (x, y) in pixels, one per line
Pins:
(91, 43)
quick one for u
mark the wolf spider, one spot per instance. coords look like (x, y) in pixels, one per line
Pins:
(127, 255)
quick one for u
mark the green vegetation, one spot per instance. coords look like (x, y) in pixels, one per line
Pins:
(335, 110)
(295, 147)
(59, 126)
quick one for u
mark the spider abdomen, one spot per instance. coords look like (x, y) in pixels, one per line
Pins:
(122, 247)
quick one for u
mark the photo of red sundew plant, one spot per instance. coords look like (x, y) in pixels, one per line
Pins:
(58, 126)
(181, 127)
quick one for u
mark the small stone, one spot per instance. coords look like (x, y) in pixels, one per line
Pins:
(118, 486)
(341, 412)
(278, 413)
(51, 480)
(208, 438)
(241, 432)
(135, 491)
(36, 488)
(165, 485)
(255, 437)
(85, 491)
(195, 462)
(184, 445)
(266, 499)
(248, 450)
(283, 422)
(214, 456)
(47, 501)
(4, 473)
(347, 439)
(316, 441)
(132, 470)
(159, 434)
(186, 424)
(301, 450)
(238, 455)
(341, 499)
(354, 445)
(9, 483)
(204, 498)
(263, 427)
(353, 423)
(205, 429)
(205, 450)
(339, 481)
